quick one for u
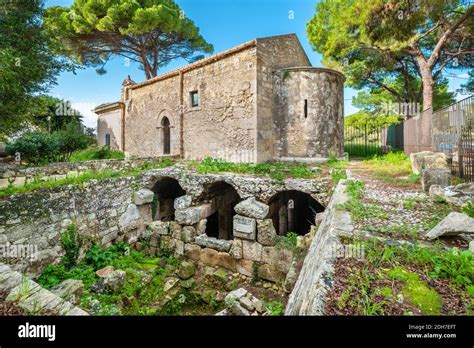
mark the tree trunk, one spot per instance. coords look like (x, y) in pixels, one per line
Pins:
(427, 82)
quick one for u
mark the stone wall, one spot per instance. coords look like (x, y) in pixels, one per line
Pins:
(32, 298)
(110, 123)
(37, 219)
(315, 279)
(145, 109)
(120, 209)
(18, 175)
(224, 124)
(273, 53)
(309, 116)
(245, 113)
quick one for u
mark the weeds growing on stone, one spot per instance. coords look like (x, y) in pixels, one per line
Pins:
(82, 178)
(96, 153)
(275, 308)
(275, 170)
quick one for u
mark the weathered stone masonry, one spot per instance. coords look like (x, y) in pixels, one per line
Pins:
(257, 102)
(121, 209)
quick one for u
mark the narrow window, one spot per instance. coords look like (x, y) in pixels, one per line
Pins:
(194, 98)
(306, 108)
(165, 123)
(107, 139)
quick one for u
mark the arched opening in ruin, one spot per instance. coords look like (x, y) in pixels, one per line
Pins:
(223, 197)
(166, 191)
(165, 124)
(293, 211)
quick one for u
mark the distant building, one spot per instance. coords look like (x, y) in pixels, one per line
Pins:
(256, 102)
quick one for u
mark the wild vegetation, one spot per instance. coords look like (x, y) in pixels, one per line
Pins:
(400, 273)
(96, 153)
(82, 178)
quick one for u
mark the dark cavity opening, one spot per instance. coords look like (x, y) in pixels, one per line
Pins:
(166, 191)
(293, 211)
(223, 198)
(165, 123)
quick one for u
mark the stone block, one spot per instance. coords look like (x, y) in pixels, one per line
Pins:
(435, 176)
(453, 224)
(130, 219)
(213, 243)
(271, 273)
(187, 234)
(236, 249)
(201, 227)
(252, 250)
(145, 213)
(4, 183)
(216, 258)
(183, 202)
(427, 160)
(160, 227)
(188, 216)
(20, 181)
(244, 227)
(266, 233)
(192, 252)
(252, 208)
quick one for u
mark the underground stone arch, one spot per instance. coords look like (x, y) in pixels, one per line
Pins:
(166, 190)
(293, 211)
(223, 197)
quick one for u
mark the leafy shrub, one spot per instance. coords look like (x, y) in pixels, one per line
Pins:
(99, 256)
(54, 274)
(69, 140)
(34, 147)
(41, 148)
(275, 308)
(96, 153)
(468, 209)
(355, 188)
(290, 240)
(72, 243)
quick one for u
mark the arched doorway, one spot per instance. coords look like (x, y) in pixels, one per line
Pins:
(165, 125)
(223, 198)
(166, 191)
(293, 211)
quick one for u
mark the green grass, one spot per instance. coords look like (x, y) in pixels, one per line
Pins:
(338, 169)
(82, 178)
(437, 262)
(360, 150)
(275, 170)
(426, 299)
(393, 168)
(137, 297)
(96, 153)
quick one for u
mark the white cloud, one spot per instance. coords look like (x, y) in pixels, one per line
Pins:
(90, 118)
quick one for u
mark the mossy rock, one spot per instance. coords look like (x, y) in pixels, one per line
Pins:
(188, 283)
(417, 292)
(207, 295)
(186, 270)
(233, 284)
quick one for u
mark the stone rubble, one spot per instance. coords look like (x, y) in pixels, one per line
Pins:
(31, 297)
(453, 224)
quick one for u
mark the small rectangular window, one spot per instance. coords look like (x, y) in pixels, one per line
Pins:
(107, 139)
(194, 98)
(306, 108)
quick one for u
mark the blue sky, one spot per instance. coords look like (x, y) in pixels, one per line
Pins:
(223, 23)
